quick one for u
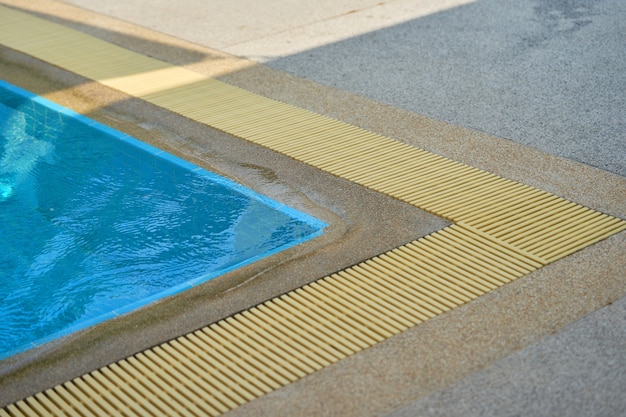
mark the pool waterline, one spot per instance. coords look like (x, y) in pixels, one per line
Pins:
(154, 153)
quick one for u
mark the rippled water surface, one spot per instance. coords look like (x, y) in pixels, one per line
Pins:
(94, 223)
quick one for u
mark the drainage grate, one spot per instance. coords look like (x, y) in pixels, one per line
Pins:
(231, 362)
(503, 230)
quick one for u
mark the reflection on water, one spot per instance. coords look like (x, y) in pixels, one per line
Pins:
(91, 223)
(19, 154)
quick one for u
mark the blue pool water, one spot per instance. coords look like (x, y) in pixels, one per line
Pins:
(94, 223)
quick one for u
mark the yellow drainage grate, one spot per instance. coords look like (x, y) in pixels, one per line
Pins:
(229, 363)
(503, 231)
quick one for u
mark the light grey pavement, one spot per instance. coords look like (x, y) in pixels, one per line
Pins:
(550, 74)
(544, 73)
(578, 372)
(547, 74)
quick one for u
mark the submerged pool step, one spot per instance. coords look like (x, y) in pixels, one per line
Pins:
(503, 230)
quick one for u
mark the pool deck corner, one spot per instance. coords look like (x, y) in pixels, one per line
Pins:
(510, 117)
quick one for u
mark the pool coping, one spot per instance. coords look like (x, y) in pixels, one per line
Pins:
(151, 151)
(568, 168)
(345, 242)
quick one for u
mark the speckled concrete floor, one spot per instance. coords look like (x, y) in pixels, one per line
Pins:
(484, 343)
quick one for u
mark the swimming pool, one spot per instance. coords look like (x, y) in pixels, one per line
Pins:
(95, 224)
